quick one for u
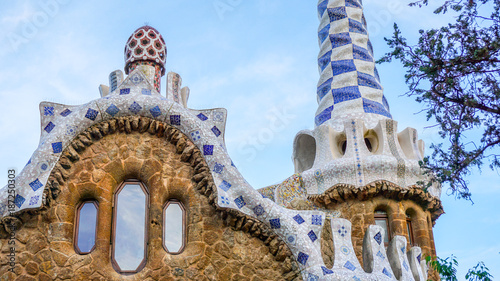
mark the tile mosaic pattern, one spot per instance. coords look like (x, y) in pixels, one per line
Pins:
(136, 96)
(349, 82)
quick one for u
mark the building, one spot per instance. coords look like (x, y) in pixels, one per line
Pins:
(135, 185)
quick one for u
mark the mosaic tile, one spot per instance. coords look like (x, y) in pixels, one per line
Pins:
(91, 114)
(65, 112)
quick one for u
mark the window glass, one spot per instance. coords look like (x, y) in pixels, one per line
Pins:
(382, 220)
(409, 228)
(173, 234)
(130, 227)
(86, 227)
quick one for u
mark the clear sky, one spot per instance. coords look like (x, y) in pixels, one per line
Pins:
(255, 58)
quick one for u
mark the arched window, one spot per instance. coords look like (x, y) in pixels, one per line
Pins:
(409, 228)
(382, 220)
(85, 227)
(174, 229)
(130, 229)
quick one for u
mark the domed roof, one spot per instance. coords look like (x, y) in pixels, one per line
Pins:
(146, 44)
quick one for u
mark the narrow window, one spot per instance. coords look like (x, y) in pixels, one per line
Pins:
(409, 228)
(382, 220)
(130, 227)
(174, 230)
(86, 225)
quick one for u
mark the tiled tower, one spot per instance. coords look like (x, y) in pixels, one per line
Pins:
(135, 184)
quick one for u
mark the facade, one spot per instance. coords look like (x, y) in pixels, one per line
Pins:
(135, 185)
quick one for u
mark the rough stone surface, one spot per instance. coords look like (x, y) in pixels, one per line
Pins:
(221, 245)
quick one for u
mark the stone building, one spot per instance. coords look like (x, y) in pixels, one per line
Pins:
(135, 185)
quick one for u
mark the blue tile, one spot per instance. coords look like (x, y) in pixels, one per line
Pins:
(275, 223)
(302, 258)
(155, 111)
(224, 200)
(324, 116)
(218, 168)
(202, 117)
(136, 79)
(385, 103)
(48, 111)
(374, 107)
(345, 94)
(312, 236)
(195, 135)
(337, 13)
(368, 81)
(316, 219)
(353, 3)
(225, 185)
(322, 7)
(35, 185)
(312, 277)
(324, 60)
(19, 200)
(342, 66)
(112, 110)
(125, 91)
(135, 108)
(34, 200)
(378, 238)
(258, 210)
(380, 255)
(370, 47)
(216, 131)
(340, 39)
(386, 272)
(240, 202)
(175, 120)
(49, 127)
(349, 266)
(57, 147)
(66, 112)
(146, 92)
(208, 149)
(323, 33)
(91, 114)
(326, 270)
(324, 88)
(298, 219)
(405, 265)
(357, 27)
(360, 53)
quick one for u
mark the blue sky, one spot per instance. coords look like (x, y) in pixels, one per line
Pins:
(255, 58)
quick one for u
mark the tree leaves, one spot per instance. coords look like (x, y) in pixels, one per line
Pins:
(454, 71)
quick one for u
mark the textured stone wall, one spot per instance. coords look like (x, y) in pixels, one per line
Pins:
(221, 245)
(359, 206)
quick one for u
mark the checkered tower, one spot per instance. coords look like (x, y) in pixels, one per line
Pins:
(349, 86)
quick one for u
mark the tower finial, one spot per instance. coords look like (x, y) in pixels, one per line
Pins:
(349, 86)
(146, 47)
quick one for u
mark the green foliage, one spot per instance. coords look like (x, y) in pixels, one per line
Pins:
(447, 269)
(479, 273)
(455, 72)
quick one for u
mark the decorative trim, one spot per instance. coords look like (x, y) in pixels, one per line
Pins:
(344, 192)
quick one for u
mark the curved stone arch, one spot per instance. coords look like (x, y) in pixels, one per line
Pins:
(145, 171)
(343, 192)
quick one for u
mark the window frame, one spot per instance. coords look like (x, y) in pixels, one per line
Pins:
(382, 215)
(409, 229)
(184, 234)
(114, 263)
(77, 226)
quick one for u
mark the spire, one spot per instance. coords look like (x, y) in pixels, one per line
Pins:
(146, 47)
(349, 85)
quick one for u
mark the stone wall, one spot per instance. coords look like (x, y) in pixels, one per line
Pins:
(221, 245)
